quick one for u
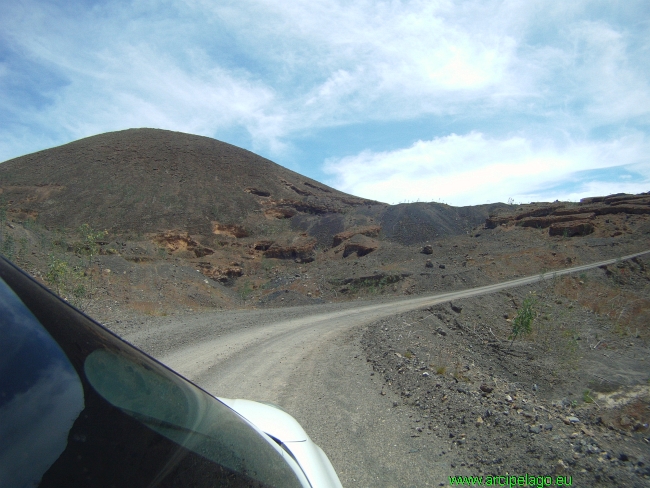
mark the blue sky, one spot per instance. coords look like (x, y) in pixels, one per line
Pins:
(464, 102)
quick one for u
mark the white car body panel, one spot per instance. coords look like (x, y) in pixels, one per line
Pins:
(281, 426)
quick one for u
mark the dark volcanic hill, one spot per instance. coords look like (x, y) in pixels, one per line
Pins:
(141, 181)
(152, 180)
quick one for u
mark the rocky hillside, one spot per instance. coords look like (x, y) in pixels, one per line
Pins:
(216, 205)
(149, 181)
(192, 222)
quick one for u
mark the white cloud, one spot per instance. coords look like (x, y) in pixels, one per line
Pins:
(279, 70)
(349, 62)
(473, 169)
(125, 80)
(615, 86)
(387, 59)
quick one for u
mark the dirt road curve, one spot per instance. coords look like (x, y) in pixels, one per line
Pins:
(308, 360)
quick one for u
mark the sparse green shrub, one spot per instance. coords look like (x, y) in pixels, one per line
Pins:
(245, 290)
(267, 264)
(372, 286)
(88, 245)
(459, 373)
(59, 243)
(75, 283)
(523, 321)
(58, 274)
(567, 346)
(69, 281)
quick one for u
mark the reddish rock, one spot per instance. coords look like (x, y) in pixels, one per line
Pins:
(574, 215)
(293, 187)
(258, 192)
(231, 230)
(369, 231)
(570, 229)
(543, 222)
(494, 221)
(287, 208)
(539, 212)
(174, 242)
(219, 274)
(279, 213)
(359, 244)
(633, 200)
(301, 248)
(623, 208)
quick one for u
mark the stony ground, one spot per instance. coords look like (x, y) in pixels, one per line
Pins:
(573, 398)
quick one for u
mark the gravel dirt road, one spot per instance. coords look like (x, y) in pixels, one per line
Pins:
(309, 361)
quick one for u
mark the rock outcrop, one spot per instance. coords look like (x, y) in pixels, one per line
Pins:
(175, 242)
(570, 229)
(572, 219)
(231, 230)
(369, 231)
(300, 249)
(224, 274)
(359, 244)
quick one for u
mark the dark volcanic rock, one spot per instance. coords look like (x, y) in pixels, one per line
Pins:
(415, 223)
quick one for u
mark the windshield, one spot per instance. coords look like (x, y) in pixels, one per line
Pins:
(186, 415)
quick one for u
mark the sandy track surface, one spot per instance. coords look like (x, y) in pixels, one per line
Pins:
(309, 361)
